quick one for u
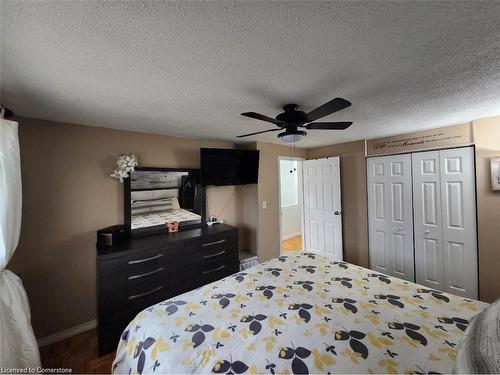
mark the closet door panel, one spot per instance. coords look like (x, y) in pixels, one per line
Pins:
(398, 244)
(459, 221)
(400, 224)
(380, 259)
(427, 219)
(390, 215)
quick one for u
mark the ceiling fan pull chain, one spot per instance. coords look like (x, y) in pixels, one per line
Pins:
(294, 168)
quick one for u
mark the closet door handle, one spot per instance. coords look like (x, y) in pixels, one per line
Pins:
(146, 293)
(214, 255)
(427, 232)
(213, 243)
(145, 274)
(214, 270)
(145, 259)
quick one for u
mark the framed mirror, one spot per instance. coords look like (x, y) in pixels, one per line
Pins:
(157, 196)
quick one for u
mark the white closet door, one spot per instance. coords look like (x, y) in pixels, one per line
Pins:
(322, 206)
(390, 215)
(427, 218)
(459, 221)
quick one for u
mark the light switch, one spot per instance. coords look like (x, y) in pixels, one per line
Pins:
(264, 205)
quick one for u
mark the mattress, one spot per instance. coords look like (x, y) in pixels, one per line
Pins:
(299, 314)
(160, 218)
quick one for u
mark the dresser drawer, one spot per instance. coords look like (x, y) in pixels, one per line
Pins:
(149, 259)
(211, 260)
(133, 269)
(129, 278)
(219, 239)
(217, 274)
(111, 327)
(139, 295)
(227, 251)
(206, 271)
(213, 244)
(108, 334)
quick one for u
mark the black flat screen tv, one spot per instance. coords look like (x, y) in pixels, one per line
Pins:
(221, 167)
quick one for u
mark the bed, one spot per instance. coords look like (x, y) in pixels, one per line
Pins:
(299, 314)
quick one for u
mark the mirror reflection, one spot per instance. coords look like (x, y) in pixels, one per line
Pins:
(160, 197)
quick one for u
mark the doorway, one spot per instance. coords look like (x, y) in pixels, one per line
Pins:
(322, 207)
(290, 205)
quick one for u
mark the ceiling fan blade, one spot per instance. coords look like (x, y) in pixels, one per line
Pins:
(328, 125)
(264, 131)
(258, 116)
(332, 106)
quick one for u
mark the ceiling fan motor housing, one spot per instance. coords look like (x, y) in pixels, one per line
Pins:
(292, 116)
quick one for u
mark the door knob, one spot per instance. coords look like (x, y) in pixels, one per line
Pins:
(400, 229)
(336, 213)
(427, 232)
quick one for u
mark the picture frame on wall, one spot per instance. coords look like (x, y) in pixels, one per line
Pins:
(495, 173)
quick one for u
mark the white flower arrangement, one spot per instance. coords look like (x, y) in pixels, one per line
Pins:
(124, 165)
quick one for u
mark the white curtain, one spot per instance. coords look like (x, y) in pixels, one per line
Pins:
(18, 347)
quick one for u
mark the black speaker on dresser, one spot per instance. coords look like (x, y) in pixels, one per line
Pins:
(111, 236)
(142, 271)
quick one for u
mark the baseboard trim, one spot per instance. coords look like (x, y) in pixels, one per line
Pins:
(58, 336)
(291, 236)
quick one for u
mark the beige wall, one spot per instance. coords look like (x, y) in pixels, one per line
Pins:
(354, 200)
(68, 195)
(354, 203)
(249, 225)
(268, 190)
(487, 140)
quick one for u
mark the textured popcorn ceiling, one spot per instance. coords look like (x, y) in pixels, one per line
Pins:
(189, 68)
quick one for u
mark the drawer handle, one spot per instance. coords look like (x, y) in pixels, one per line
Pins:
(146, 293)
(145, 274)
(213, 243)
(145, 259)
(214, 270)
(214, 255)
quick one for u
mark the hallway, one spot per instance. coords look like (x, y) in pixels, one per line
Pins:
(292, 245)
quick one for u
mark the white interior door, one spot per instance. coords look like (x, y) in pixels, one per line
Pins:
(428, 219)
(322, 206)
(390, 218)
(458, 196)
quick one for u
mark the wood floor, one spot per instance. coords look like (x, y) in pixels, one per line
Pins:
(78, 353)
(292, 245)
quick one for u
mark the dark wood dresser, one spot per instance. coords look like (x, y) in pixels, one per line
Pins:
(146, 270)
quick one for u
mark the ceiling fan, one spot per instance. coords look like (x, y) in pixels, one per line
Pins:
(292, 120)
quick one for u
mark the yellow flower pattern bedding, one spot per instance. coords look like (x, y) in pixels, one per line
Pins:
(299, 314)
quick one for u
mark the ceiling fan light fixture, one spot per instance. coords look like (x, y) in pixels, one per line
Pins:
(292, 137)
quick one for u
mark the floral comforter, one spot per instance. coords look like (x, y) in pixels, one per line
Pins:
(299, 314)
